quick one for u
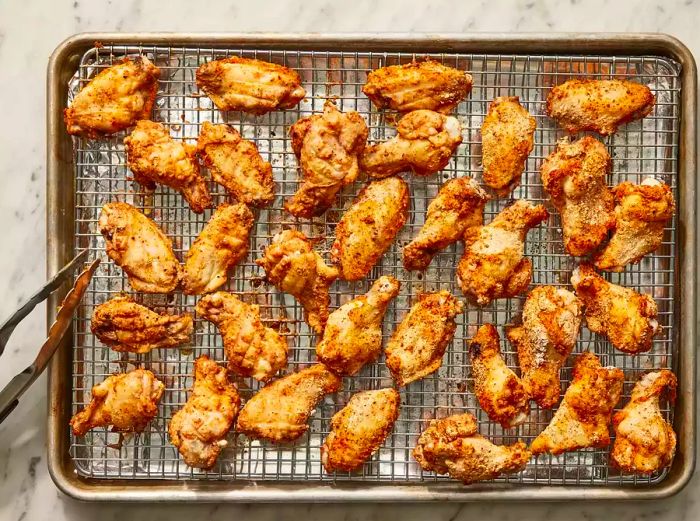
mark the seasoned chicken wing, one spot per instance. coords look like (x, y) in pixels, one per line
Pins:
(574, 177)
(327, 147)
(115, 99)
(493, 265)
(454, 446)
(279, 412)
(416, 348)
(249, 85)
(598, 105)
(199, 429)
(359, 429)
(155, 157)
(252, 349)
(127, 402)
(353, 334)
(140, 248)
(368, 228)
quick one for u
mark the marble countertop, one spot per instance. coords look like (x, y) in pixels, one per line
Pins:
(31, 29)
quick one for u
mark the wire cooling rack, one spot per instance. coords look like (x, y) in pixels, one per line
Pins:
(640, 149)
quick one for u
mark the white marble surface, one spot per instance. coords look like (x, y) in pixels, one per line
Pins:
(29, 31)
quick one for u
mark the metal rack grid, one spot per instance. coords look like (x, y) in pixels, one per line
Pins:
(649, 147)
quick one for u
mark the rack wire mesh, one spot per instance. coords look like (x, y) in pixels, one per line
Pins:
(644, 148)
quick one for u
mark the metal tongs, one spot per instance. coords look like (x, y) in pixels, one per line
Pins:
(9, 396)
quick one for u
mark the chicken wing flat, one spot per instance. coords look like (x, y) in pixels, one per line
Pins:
(583, 417)
(424, 143)
(369, 227)
(416, 348)
(644, 441)
(219, 247)
(359, 429)
(127, 402)
(115, 99)
(551, 323)
(493, 265)
(279, 412)
(626, 317)
(236, 164)
(574, 177)
(140, 248)
(458, 207)
(598, 105)
(453, 446)
(199, 429)
(418, 85)
(129, 327)
(327, 147)
(252, 349)
(292, 265)
(641, 215)
(155, 157)
(353, 334)
(249, 85)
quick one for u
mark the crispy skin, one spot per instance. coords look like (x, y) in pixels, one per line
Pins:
(551, 323)
(424, 143)
(626, 317)
(140, 248)
(127, 402)
(641, 215)
(369, 227)
(598, 105)
(279, 412)
(416, 348)
(155, 157)
(252, 349)
(327, 147)
(199, 429)
(353, 334)
(359, 429)
(453, 446)
(249, 85)
(417, 85)
(115, 99)
(644, 441)
(236, 164)
(219, 247)
(129, 327)
(292, 265)
(584, 414)
(493, 265)
(574, 177)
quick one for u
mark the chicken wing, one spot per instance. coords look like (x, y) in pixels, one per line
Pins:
(416, 348)
(155, 157)
(140, 248)
(249, 85)
(327, 147)
(493, 265)
(574, 177)
(368, 228)
(626, 317)
(279, 412)
(199, 429)
(453, 446)
(127, 402)
(292, 265)
(353, 334)
(115, 99)
(252, 349)
(219, 247)
(359, 429)
(583, 416)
